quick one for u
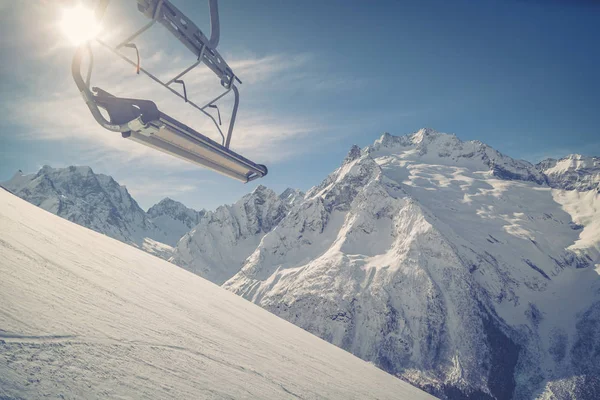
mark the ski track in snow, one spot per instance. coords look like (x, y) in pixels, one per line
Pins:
(85, 316)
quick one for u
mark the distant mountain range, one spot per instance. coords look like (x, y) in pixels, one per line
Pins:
(98, 202)
(459, 269)
(95, 201)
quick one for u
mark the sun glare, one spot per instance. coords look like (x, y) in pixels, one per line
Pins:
(79, 24)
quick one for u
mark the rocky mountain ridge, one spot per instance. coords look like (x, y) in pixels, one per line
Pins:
(98, 202)
(217, 246)
(573, 172)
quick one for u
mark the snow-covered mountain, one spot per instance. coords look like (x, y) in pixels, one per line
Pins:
(218, 245)
(429, 146)
(457, 268)
(444, 262)
(83, 316)
(98, 202)
(174, 219)
(574, 172)
(95, 201)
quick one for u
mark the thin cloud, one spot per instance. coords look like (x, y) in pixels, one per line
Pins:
(62, 115)
(144, 187)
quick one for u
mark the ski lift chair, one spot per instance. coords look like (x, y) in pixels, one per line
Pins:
(142, 121)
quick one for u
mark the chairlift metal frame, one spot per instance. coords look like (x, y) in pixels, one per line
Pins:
(141, 121)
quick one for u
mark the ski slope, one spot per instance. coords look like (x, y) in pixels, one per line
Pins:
(85, 316)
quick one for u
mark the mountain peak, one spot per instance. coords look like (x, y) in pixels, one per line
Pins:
(166, 202)
(425, 134)
(422, 137)
(81, 169)
(573, 172)
(432, 147)
(353, 154)
(260, 189)
(261, 193)
(386, 140)
(585, 161)
(173, 218)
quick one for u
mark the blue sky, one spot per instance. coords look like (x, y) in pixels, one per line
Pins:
(520, 75)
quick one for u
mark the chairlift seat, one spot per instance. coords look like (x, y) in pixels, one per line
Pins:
(151, 127)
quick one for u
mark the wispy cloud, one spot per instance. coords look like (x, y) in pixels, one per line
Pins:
(271, 136)
(149, 187)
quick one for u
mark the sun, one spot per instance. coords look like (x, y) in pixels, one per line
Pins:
(79, 24)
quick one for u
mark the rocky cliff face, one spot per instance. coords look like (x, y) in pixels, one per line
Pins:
(574, 172)
(217, 246)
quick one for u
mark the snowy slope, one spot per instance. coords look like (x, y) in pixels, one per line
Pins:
(85, 316)
(216, 248)
(574, 172)
(174, 219)
(95, 201)
(445, 262)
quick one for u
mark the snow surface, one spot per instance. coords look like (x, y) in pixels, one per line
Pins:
(85, 316)
(585, 209)
(157, 249)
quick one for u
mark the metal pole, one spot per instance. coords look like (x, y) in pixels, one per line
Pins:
(191, 67)
(215, 33)
(136, 34)
(233, 115)
(88, 96)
